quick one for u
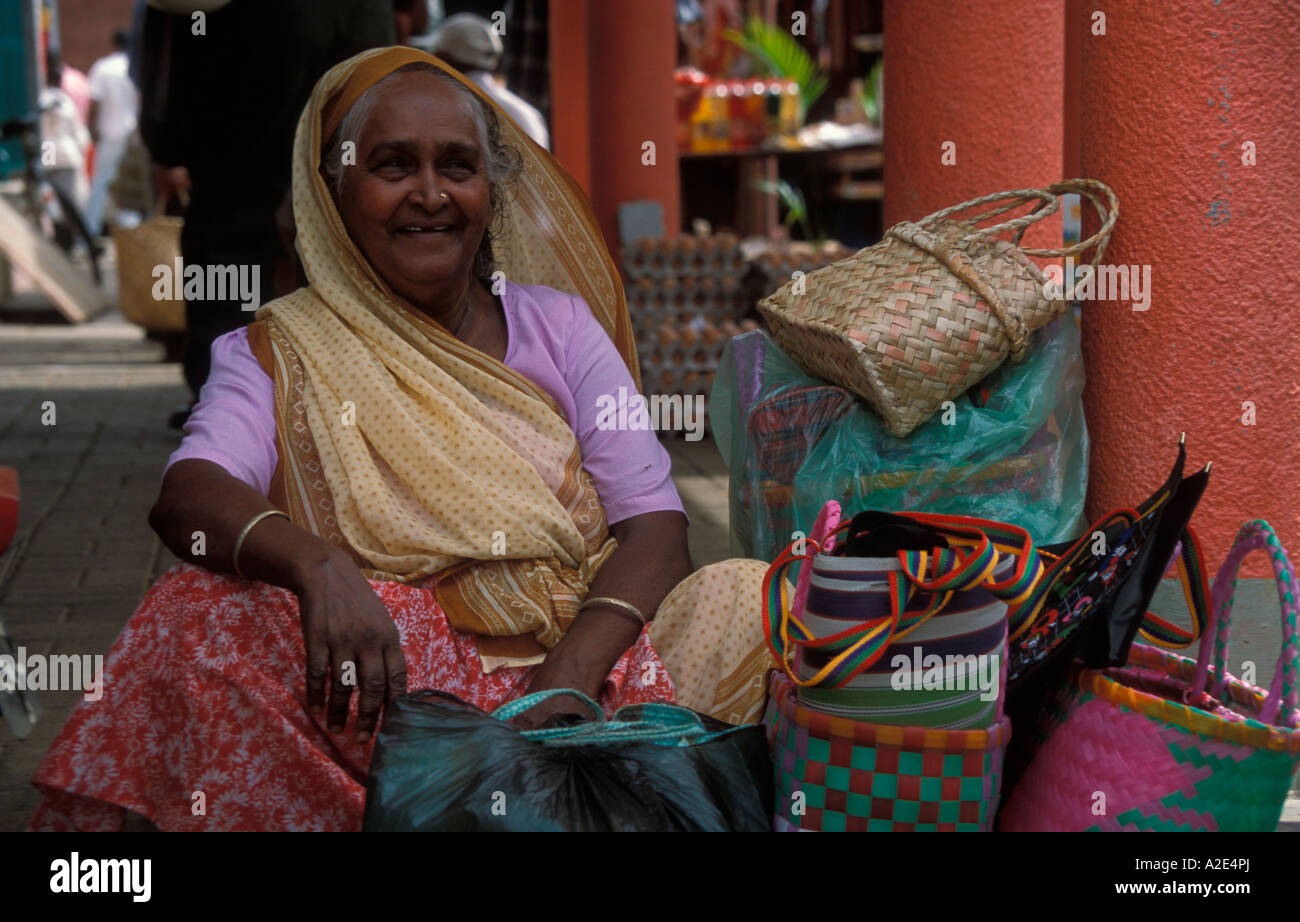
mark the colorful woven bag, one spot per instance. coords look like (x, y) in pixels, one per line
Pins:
(833, 774)
(1145, 747)
(918, 639)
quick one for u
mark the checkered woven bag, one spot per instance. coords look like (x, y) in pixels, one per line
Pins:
(1146, 747)
(833, 774)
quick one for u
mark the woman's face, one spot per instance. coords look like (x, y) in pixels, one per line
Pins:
(419, 141)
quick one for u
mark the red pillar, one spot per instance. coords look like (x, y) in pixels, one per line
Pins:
(570, 88)
(987, 76)
(1171, 93)
(633, 50)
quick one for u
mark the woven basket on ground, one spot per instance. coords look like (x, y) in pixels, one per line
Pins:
(834, 774)
(155, 242)
(1152, 747)
(934, 307)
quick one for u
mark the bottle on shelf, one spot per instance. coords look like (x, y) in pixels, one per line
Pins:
(702, 124)
(773, 93)
(788, 114)
(721, 136)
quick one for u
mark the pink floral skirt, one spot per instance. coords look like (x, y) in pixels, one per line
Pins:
(202, 723)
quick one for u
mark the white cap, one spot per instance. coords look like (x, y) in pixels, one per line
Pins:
(467, 39)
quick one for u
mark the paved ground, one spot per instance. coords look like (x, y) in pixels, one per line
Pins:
(85, 554)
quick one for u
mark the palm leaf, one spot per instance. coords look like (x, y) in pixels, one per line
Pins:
(776, 51)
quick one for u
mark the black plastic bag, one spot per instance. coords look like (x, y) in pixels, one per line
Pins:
(441, 764)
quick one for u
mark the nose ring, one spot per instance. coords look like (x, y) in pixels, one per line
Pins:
(444, 196)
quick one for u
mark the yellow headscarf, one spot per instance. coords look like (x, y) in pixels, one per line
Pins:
(417, 453)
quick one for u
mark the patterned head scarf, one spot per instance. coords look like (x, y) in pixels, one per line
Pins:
(418, 454)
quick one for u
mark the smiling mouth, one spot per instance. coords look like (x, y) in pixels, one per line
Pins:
(426, 230)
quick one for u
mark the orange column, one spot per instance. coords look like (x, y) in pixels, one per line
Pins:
(633, 50)
(570, 88)
(1172, 92)
(988, 77)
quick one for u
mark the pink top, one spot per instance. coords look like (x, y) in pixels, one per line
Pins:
(554, 341)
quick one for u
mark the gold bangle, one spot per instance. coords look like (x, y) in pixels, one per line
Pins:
(239, 542)
(617, 603)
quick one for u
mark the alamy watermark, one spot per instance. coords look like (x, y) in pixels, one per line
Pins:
(1105, 283)
(37, 672)
(918, 671)
(75, 874)
(236, 282)
(660, 412)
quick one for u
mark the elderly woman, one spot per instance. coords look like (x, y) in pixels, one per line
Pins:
(394, 481)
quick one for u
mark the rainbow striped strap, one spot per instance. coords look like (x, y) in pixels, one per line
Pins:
(1196, 591)
(940, 572)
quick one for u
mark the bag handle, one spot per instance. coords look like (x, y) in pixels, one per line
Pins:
(1255, 534)
(1094, 191)
(941, 571)
(1191, 573)
(823, 539)
(1091, 189)
(512, 709)
(656, 722)
(1047, 200)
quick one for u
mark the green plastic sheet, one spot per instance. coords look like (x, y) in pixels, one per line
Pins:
(1014, 447)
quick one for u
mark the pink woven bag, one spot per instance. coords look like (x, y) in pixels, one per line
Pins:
(1146, 747)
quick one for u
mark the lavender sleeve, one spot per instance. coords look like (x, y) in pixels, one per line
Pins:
(233, 424)
(630, 469)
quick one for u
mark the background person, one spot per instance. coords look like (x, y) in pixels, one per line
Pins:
(468, 43)
(224, 105)
(113, 105)
(61, 124)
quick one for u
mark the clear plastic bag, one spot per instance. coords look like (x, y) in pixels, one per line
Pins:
(1012, 448)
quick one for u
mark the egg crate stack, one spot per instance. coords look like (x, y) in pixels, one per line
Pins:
(777, 265)
(686, 298)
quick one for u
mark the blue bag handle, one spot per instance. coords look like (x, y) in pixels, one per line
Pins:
(657, 723)
(512, 709)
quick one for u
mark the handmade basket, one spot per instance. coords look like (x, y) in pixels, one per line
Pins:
(838, 638)
(156, 241)
(1144, 747)
(833, 774)
(934, 307)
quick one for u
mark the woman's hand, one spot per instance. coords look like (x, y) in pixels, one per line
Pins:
(650, 560)
(581, 660)
(351, 639)
(351, 643)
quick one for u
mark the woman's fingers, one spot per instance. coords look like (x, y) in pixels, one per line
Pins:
(374, 684)
(395, 666)
(318, 665)
(343, 678)
(352, 645)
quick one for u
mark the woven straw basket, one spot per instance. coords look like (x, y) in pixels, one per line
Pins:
(156, 241)
(934, 307)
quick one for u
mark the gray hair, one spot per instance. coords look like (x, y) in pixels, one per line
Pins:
(502, 162)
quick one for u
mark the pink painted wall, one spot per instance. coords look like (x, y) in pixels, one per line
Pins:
(1170, 93)
(988, 76)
